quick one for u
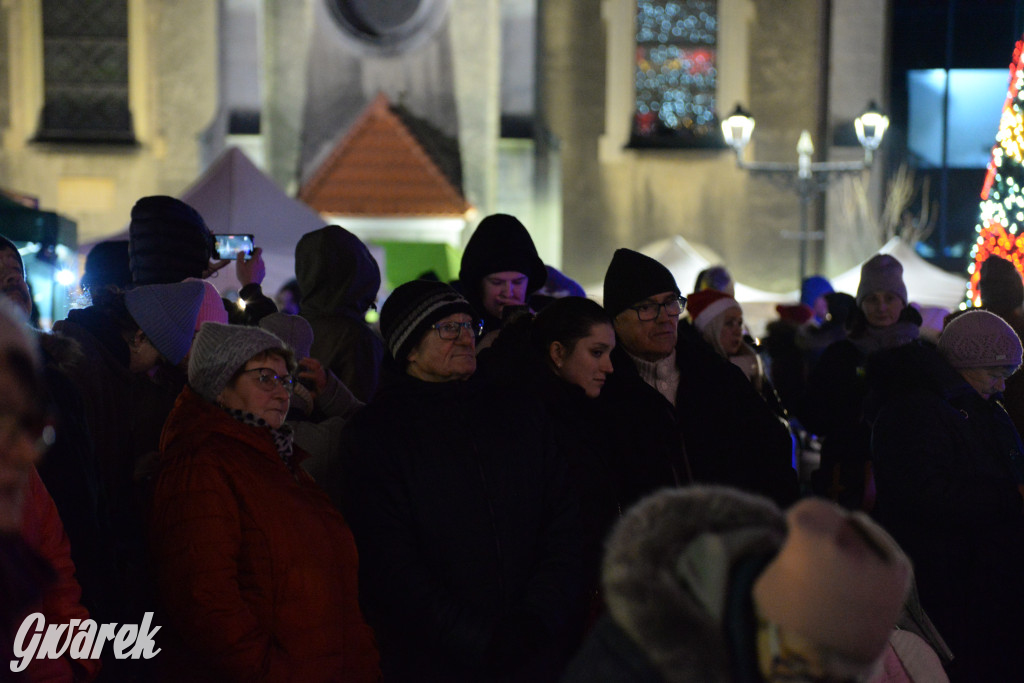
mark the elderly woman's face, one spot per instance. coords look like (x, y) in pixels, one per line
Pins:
(264, 398)
(444, 360)
(882, 309)
(987, 381)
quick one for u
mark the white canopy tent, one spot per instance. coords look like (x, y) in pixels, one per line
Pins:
(234, 196)
(932, 288)
(927, 285)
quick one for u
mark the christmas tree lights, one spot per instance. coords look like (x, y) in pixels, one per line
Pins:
(1001, 215)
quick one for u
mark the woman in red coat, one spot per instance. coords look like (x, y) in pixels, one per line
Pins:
(256, 570)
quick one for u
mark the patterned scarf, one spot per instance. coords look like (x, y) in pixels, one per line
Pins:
(283, 436)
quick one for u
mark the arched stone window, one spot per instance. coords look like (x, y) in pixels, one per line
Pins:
(85, 72)
(676, 74)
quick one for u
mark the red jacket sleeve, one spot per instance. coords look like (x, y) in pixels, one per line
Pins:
(44, 533)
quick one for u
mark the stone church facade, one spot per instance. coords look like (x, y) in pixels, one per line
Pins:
(577, 183)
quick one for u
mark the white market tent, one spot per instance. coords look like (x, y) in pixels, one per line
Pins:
(927, 285)
(234, 196)
(932, 288)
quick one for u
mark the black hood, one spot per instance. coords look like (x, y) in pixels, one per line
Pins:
(335, 272)
(500, 243)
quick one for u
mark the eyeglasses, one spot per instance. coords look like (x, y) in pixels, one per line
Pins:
(451, 330)
(651, 311)
(36, 428)
(270, 380)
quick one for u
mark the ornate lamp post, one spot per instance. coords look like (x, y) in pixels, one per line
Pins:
(806, 177)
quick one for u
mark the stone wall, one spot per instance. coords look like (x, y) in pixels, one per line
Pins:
(771, 59)
(173, 98)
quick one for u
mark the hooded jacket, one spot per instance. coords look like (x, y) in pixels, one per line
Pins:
(500, 243)
(256, 569)
(948, 493)
(677, 577)
(339, 280)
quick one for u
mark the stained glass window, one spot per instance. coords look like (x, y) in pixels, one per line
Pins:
(85, 71)
(675, 74)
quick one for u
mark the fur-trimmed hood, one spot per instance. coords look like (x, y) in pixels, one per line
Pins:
(669, 569)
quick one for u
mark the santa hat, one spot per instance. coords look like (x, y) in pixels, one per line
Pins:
(705, 305)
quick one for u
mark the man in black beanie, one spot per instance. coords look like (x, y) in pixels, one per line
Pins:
(693, 415)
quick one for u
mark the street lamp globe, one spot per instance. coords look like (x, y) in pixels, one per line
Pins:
(871, 127)
(737, 129)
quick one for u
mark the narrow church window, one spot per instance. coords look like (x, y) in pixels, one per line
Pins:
(85, 72)
(675, 74)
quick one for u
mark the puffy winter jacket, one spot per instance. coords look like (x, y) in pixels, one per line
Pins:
(256, 569)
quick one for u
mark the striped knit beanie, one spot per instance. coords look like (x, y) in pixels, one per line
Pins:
(412, 308)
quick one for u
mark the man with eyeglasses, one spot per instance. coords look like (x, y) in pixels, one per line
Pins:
(688, 414)
(468, 537)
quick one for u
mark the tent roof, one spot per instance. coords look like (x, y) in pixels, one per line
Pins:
(389, 163)
(927, 285)
(233, 196)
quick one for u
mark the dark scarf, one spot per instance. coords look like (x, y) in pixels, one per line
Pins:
(283, 436)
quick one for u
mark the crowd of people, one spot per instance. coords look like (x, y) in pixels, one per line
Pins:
(503, 480)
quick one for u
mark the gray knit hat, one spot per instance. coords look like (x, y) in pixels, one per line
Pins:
(980, 339)
(412, 308)
(881, 273)
(220, 350)
(166, 314)
(294, 330)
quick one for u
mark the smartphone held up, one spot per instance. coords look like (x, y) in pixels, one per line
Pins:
(230, 246)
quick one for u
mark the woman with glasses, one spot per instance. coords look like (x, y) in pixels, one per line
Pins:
(256, 570)
(467, 534)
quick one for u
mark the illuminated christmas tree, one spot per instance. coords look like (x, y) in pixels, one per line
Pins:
(1002, 195)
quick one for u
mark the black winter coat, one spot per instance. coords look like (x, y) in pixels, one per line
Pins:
(585, 435)
(467, 532)
(720, 430)
(948, 494)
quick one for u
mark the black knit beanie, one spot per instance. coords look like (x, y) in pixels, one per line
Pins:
(168, 241)
(7, 244)
(501, 243)
(632, 277)
(412, 308)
